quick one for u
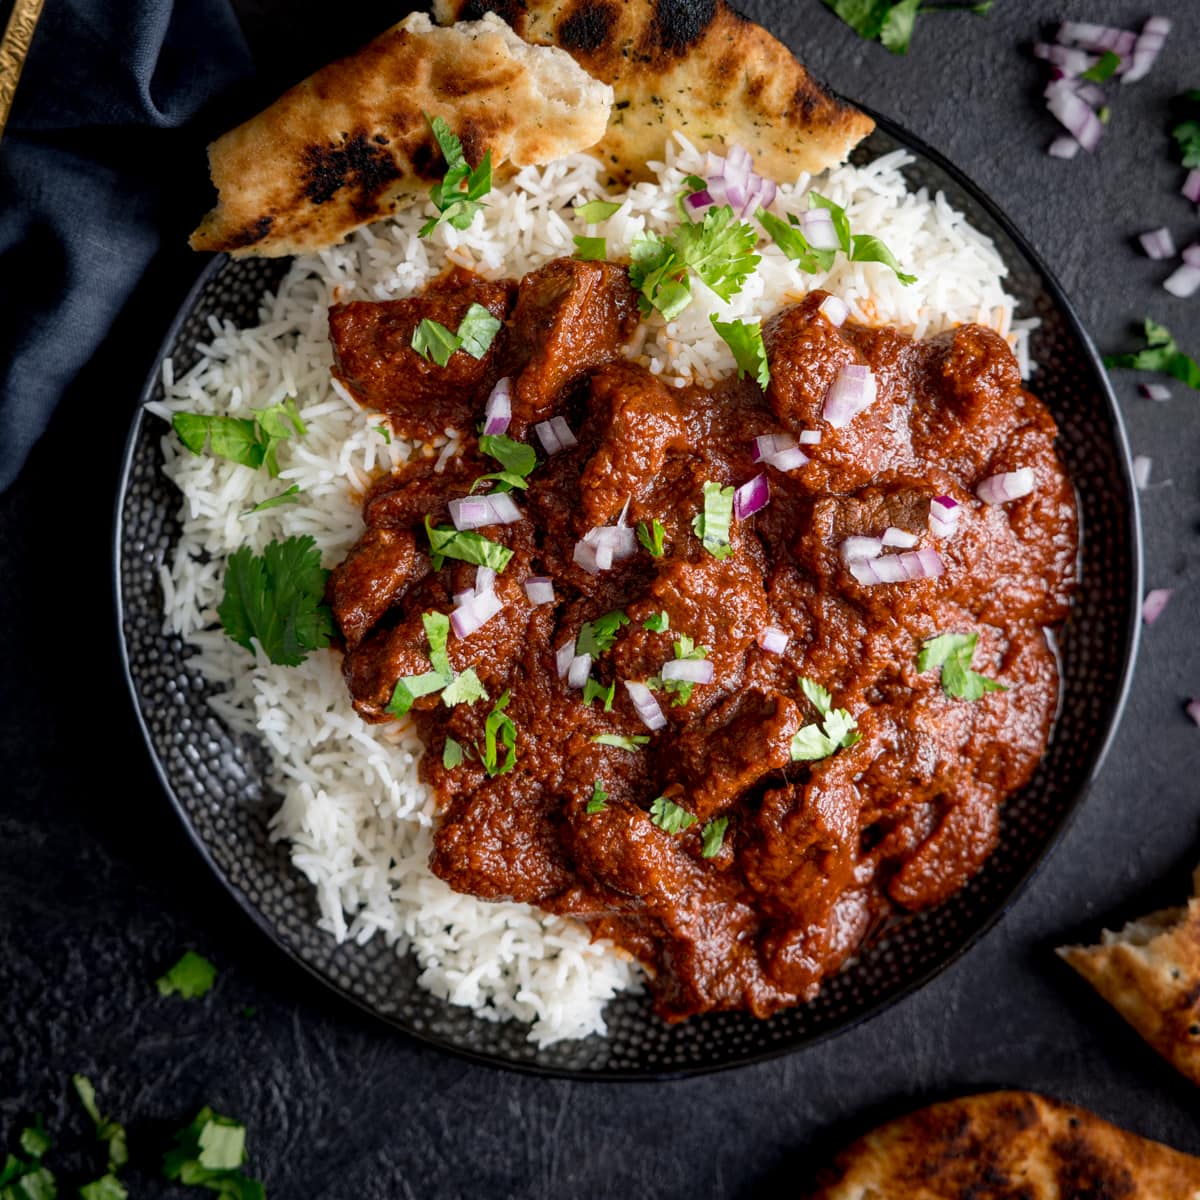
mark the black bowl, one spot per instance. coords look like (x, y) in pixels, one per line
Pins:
(216, 779)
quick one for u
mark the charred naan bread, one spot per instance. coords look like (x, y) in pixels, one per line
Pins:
(1150, 973)
(351, 143)
(692, 66)
(1007, 1146)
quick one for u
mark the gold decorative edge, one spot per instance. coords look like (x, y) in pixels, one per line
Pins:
(14, 47)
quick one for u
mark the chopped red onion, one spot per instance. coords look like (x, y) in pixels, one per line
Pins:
(471, 512)
(897, 568)
(1063, 147)
(772, 640)
(852, 391)
(1153, 605)
(577, 672)
(818, 229)
(539, 589)
(463, 597)
(943, 516)
(778, 450)
(834, 309)
(688, 670)
(1155, 391)
(1069, 110)
(1158, 243)
(585, 558)
(498, 411)
(1192, 708)
(485, 579)
(1096, 37)
(474, 613)
(751, 497)
(732, 180)
(1141, 470)
(1191, 254)
(566, 438)
(564, 656)
(1146, 49)
(604, 545)
(899, 537)
(645, 704)
(852, 549)
(701, 199)
(1090, 93)
(1068, 59)
(555, 435)
(810, 437)
(1183, 281)
(1191, 185)
(1008, 485)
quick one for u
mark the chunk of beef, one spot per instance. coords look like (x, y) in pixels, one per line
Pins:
(372, 577)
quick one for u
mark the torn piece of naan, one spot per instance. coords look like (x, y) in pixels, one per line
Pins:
(352, 143)
(1005, 1146)
(1150, 973)
(690, 66)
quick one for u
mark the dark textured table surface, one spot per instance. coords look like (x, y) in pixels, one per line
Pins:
(99, 888)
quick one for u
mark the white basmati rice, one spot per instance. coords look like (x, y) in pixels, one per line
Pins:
(355, 815)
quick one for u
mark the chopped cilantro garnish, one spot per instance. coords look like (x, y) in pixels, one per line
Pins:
(746, 342)
(717, 249)
(384, 432)
(1161, 354)
(434, 342)
(595, 211)
(595, 637)
(1104, 69)
(669, 816)
(209, 1153)
(447, 542)
(249, 441)
(477, 330)
(1187, 132)
(498, 726)
(21, 1180)
(35, 1141)
(458, 196)
(794, 244)
(465, 688)
(712, 837)
(437, 631)
(712, 525)
(814, 742)
(841, 222)
(190, 977)
(651, 537)
(517, 459)
(276, 599)
(657, 622)
(590, 249)
(452, 754)
(620, 740)
(953, 652)
(107, 1130)
(412, 687)
(288, 497)
(597, 691)
(598, 802)
(866, 248)
(681, 689)
(891, 21)
(107, 1187)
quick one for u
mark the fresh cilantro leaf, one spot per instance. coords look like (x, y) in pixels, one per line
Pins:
(107, 1130)
(840, 728)
(1187, 134)
(669, 816)
(20, 1180)
(809, 744)
(411, 687)
(437, 633)
(890, 21)
(598, 802)
(595, 211)
(499, 726)
(465, 688)
(1104, 114)
(657, 622)
(794, 244)
(275, 425)
(620, 740)
(517, 459)
(447, 542)
(276, 600)
(597, 691)
(1161, 354)
(712, 837)
(817, 696)
(384, 432)
(591, 249)
(651, 537)
(953, 653)
(897, 31)
(191, 977)
(746, 342)
(35, 1141)
(208, 1153)
(249, 441)
(434, 342)
(289, 497)
(866, 248)
(684, 648)
(841, 222)
(595, 637)
(452, 754)
(1104, 68)
(457, 197)
(656, 272)
(477, 330)
(712, 524)
(107, 1187)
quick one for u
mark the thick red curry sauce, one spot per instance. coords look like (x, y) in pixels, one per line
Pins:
(815, 855)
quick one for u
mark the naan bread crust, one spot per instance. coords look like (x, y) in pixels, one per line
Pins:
(1150, 973)
(1007, 1146)
(351, 143)
(692, 66)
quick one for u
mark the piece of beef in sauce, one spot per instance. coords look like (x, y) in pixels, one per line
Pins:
(813, 855)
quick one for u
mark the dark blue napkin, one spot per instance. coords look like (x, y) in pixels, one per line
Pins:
(111, 116)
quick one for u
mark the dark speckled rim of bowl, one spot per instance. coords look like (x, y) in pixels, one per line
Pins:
(740, 1040)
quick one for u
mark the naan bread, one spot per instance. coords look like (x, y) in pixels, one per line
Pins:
(692, 66)
(1150, 973)
(351, 143)
(1007, 1146)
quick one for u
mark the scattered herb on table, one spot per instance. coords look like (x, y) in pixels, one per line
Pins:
(1187, 132)
(26, 1178)
(669, 816)
(952, 652)
(459, 195)
(1161, 354)
(711, 525)
(209, 1153)
(891, 21)
(111, 1132)
(191, 977)
(252, 441)
(837, 731)
(1103, 69)
(746, 342)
